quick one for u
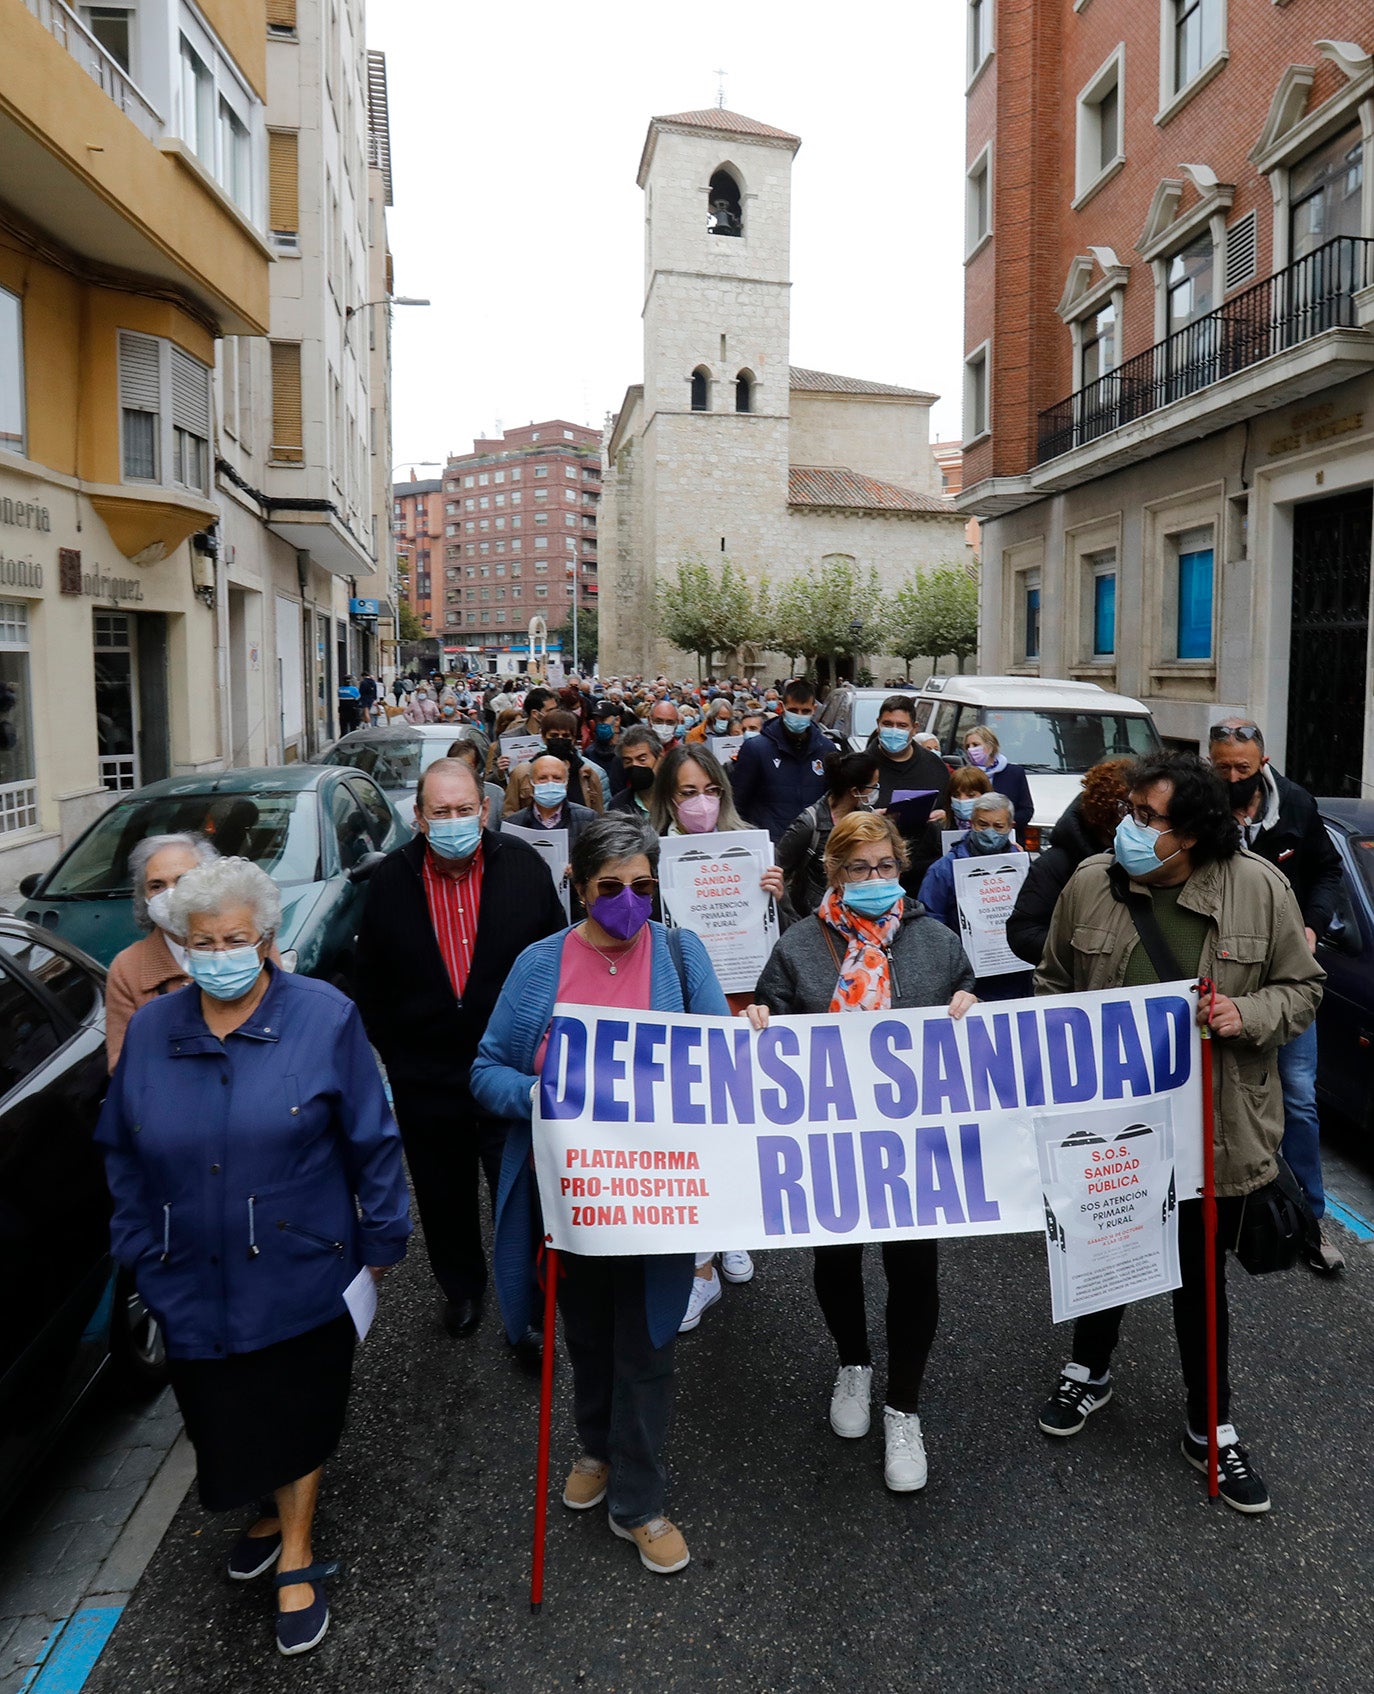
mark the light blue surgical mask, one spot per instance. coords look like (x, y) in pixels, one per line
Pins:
(1134, 846)
(225, 976)
(963, 809)
(550, 794)
(455, 838)
(749, 734)
(894, 740)
(992, 840)
(796, 723)
(872, 899)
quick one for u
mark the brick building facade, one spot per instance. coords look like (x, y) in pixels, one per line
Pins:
(1169, 378)
(417, 526)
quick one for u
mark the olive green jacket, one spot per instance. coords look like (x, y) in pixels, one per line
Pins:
(1257, 955)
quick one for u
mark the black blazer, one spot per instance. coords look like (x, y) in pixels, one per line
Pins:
(1300, 847)
(425, 1036)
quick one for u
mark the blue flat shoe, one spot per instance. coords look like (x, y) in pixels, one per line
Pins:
(253, 1555)
(298, 1632)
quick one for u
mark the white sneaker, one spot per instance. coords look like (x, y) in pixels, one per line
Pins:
(849, 1401)
(705, 1293)
(904, 1463)
(737, 1267)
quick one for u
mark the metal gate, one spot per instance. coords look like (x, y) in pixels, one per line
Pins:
(1328, 666)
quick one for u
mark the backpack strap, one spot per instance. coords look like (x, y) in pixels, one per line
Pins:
(1142, 911)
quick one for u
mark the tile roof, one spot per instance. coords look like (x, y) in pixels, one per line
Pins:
(837, 486)
(826, 382)
(716, 117)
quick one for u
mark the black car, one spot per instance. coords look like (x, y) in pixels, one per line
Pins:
(1345, 1023)
(69, 1317)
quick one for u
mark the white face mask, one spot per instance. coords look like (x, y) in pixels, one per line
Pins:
(160, 909)
(666, 732)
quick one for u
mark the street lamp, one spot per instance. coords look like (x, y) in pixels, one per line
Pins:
(351, 312)
(572, 569)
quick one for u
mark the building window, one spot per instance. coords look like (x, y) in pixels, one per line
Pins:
(701, 389)
(18, 788)
(1030, 615)
(1104, 606)
(541, 470)
(1195, 572)
(197, 105)
(1324, 191)
(977, 420)
(1190, 283)
(726, 210)
(283, 187)
(164, 399)
(1197, 37)
(288, 440)
(112, 26)
(1099, 344)
(979, 35)
(744, 392)
(978, 202)
(215, 115)
(1099, 138)
(11, 373)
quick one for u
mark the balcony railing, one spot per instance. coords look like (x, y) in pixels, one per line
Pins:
(1314, 294)
(60, 21)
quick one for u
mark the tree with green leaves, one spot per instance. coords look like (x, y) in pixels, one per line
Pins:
(408, 625)
(934, 613)
(703, 612)
(586, 638)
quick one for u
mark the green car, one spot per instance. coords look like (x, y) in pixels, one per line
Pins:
(318, 832)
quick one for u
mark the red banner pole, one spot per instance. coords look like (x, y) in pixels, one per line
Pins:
(1209, 1238)
(541, 1469)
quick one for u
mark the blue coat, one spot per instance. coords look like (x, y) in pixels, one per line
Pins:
(502, 1078)
(773, 781)
(1011, 783)
(252, 1178)
(938, 898)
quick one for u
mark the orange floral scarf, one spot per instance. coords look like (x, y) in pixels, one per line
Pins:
(865, 979)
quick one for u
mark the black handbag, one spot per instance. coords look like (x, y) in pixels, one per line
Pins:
(1276, 1225)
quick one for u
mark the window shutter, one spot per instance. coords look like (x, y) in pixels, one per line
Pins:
(281, 14)
(283, 182)
(190, 394)
(1240, 251)
(288, 441)
(139, 387)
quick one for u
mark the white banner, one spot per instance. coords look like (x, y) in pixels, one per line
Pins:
(552, 847)
(657, 1133)
(710, 885)
(985, 887)
(519, 748)
(725, 747)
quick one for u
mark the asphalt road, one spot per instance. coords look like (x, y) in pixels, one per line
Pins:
(1026, 1563)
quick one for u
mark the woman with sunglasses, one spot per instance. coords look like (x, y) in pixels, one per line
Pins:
(868, 948)
(620, 1315)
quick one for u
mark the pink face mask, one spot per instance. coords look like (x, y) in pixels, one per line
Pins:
(977, 755)
(697, 814)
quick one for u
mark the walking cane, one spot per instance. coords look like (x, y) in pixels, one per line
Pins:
(1208, 989)
(541, 1469)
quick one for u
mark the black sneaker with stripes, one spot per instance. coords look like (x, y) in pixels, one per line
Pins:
(1074, 1401)
(1239, 1483)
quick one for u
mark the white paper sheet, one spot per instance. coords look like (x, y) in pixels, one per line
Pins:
(361, 1299)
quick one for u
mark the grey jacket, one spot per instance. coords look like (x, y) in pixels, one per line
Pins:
(928, 965)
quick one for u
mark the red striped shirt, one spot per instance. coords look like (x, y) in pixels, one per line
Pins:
(454, 903)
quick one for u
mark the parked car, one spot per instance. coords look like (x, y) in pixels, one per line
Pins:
(69, 1317)
(318, 832)
(1056, 730)
(1345, 1022)
(394, 758)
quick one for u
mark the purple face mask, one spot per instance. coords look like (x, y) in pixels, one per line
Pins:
(622, 915)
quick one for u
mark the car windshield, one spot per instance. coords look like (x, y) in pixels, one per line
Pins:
(277, 831)
(393, 763)
(1362, 846)
(1060, 742)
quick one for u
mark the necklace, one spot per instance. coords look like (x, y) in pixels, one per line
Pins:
(611, 964)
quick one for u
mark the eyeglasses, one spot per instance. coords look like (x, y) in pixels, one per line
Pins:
(607, 887)
(857, 871)
(1147, 819)
(1235, 732)
(711, 792)
(205, 952)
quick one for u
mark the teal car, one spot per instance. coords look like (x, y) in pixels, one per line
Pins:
(318, 832)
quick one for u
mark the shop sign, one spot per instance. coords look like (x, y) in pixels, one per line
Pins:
(95, 585)
(24, 514)
(1309, 428)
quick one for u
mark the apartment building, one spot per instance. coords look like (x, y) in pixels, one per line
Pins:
(133, 234)
(1169, 369)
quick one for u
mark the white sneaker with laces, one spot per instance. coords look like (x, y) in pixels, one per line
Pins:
(849, 1401)
(737, 1267)
(705, 1293)
(904, 1465)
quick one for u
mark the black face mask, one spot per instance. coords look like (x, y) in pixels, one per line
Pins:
(639, 778)
(559, 747)
(1244, 791)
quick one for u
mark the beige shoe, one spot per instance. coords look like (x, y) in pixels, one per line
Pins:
(661, 1547)
(586, 1483)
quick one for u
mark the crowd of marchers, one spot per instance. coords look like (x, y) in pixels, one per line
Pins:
(258, 1153)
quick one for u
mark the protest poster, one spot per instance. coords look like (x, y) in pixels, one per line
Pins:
(985, 888)
(663, 1133)
(710, 885)
(552, 847)
(725, 747)
(518, 748)
(1111, 1206)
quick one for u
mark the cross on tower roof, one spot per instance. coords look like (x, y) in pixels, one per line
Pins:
(720, 92)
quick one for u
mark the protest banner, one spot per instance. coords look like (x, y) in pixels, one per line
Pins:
(985, 888)
(710, 885)
(657, 1133)
(725, 747)
(518, 748)
(552, 847)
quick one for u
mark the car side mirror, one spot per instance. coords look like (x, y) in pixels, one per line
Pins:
(365, 867)
(29, 885)
(1342, 936)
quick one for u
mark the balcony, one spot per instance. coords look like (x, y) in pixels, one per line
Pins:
(1272, 321)
(64, 25)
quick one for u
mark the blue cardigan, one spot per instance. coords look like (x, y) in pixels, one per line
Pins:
(252, 1177)
(502, 1077)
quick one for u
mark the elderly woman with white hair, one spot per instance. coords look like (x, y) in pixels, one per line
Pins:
(156, 964)
(255, 1169)
(988, 835)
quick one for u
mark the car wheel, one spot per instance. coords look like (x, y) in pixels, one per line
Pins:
(138, 1353)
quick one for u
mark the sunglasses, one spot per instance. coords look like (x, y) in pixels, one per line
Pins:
(1234, 732)
(607, 887)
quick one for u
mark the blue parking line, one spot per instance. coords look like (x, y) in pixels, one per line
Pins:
(1359, 1227)
(71, 1653)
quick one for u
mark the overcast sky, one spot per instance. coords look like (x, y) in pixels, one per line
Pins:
(515, 136)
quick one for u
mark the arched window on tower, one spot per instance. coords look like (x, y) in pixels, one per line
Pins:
(701, 389)
(726, 214)
(744, 392)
